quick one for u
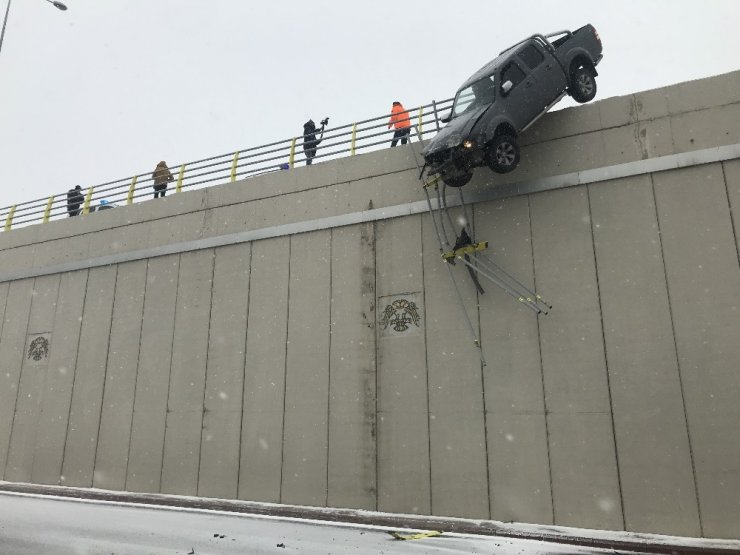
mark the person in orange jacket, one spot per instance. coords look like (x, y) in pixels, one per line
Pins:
(400, 119)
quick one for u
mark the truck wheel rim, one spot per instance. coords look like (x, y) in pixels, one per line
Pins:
(505, 154)
(585, 84)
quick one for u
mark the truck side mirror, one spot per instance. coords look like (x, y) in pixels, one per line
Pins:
(506, 87)
(447, 118)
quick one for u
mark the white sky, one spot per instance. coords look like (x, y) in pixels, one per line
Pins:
(110, 87)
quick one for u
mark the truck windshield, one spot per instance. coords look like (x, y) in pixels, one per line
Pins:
(480, 93)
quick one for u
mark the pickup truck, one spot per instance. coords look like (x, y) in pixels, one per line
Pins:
(506, 96)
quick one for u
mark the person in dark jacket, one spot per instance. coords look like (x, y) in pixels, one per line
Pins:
(74, 201)
(310, 142)
(161, 176)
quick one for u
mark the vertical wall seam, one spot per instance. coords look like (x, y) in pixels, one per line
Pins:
(732, 215)
(285, 370)
(244, 367)
(105, 375)
(5, 304)
(482, 367)
(426, 359)
(205, 368)
(74, 376)
(20, 377)
(136, 375)
(169, 374)
(606, 356)
(328, 381)
(678, 361)
(546, 414)
(374, 257)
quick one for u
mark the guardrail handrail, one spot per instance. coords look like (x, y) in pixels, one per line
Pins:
(335, 143)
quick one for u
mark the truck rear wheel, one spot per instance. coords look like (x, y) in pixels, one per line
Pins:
(502, 154)
(583, 85)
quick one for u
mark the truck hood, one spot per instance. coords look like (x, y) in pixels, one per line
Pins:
(455, 132)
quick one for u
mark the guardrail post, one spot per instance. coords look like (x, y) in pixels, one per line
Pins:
(291, 160)
(436, 115)
(418, 129)
(178, 187)
(131, 190)
(48, 208)
(9, 219)
(88, 197)
(354, 139)
(233, 166)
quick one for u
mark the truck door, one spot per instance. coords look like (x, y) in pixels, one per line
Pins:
(546, 79)
(515, 100)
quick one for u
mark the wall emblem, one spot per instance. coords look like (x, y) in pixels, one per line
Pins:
(400, 315)
(38, 349)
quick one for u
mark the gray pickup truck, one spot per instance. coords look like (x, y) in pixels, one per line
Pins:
(506, 96)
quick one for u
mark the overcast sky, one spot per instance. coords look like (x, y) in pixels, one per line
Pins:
(110, 87)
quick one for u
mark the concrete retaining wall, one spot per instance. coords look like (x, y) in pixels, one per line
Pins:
(231, 342)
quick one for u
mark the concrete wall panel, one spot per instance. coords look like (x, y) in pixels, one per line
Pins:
(732, 184)
(704, 286)
(706, 128)
(404, 479)
(519, 468)
(352, 380)
(87, 393)
(456, 407)
(188, 374)
(652, 441)
(261, 456)
(117, 411)
(305, 432)
(31, 386)
(60, 372)
(585, 487)
(152, 383)
(12, 353)
(222, 418)
(573, 362)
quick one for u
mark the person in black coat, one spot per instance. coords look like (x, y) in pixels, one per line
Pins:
(310, 142)
(74, 201)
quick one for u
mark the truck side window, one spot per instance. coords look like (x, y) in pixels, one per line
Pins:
(512, 73)
(531, 56)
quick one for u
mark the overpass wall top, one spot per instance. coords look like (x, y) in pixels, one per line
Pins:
(680, 118)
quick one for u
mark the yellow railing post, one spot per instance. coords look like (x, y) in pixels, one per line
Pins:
(178, 187)
(9, 219)
(418, 129)
(354, 140)
(88, 197)
(131, 190)
(48, 208)
(291, 160)
(233, 166)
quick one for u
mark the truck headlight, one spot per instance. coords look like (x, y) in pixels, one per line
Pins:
(468, 143)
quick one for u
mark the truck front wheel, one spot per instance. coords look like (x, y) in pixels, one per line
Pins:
(457, 180)
(583, 85)
(502, 154)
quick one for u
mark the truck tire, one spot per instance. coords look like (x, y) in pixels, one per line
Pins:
(458, 180)
(583, 85)
(502, 154)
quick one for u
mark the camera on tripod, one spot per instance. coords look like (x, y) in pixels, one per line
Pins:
(324, 122)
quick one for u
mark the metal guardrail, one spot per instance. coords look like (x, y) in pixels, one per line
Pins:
(367, 135)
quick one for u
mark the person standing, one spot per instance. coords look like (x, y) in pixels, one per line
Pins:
(74, 201)
(310, 142)
(401, 121)
(161, 176)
